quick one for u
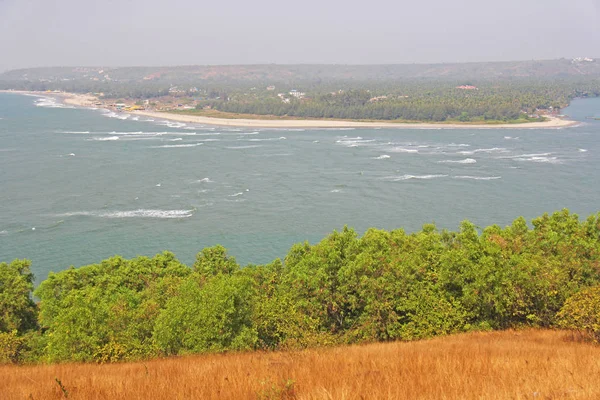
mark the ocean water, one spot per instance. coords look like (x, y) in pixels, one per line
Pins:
(80, 185)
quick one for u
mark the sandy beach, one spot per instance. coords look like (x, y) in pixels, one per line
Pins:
(266, 123)
(88, 100)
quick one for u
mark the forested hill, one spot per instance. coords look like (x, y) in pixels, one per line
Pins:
(316, 73)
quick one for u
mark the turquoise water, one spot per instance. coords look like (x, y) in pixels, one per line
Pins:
(78, 186)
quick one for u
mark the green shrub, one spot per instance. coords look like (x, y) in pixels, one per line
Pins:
(581, 312)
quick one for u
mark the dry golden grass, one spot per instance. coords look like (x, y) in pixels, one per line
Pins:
(498, 365)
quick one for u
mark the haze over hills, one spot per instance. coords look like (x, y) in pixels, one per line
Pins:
(577, 67)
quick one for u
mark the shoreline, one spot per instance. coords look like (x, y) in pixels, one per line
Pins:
(552, 122)
(88, 101)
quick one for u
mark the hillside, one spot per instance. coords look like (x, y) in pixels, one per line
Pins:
(315, 73)
(527, 364)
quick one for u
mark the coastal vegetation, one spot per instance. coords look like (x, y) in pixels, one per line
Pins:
(346, 289)
(458, 93)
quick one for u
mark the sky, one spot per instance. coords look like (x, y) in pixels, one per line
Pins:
(42, 33)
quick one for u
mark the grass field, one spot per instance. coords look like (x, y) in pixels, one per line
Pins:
(528, 364)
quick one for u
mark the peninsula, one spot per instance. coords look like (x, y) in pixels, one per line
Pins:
(521, 94)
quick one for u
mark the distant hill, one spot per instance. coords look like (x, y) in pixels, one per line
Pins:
(315, 73)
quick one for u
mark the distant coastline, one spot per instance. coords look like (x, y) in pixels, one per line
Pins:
(88, 100)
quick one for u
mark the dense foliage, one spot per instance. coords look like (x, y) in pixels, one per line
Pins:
(582, 313)
(346, 289)
(438, 101)
(495, 92)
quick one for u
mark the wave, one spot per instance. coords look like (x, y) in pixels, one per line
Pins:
(465, 161)
(236, 194)
(410, 177)
(3, 233)
(458, 145)
(103, 139)
(252, 146)
(171, 124)
(490, 150)
(511, 138)
(74, 132)
(381, 157)
(353, 141)
(175, 140)
(535, 157)
(204, 180)
(549, 160)
(582, 150)
(263, 140)
(208, 140)
(478, 178)
(402, 150)
(48, 102)
(336, 191)
(527, 155)
(248, 133)
(173, 146)
(140, 213)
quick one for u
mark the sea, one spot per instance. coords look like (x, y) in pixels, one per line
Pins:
(80, 185)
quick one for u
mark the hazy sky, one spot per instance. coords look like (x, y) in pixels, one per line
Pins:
(176, 32)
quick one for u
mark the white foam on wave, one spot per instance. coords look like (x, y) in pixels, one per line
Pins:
(489, 151)
(511, 138)
(262, 140)
(140, 213)
(582, 150)
(459, 145)
(174, 146)
(381, 157)
(477, 178)
(208, 140)
(112, 114)
(547, 158)
(49, 102)
(336, 191)
(175, 140)
(465, 161)
(411, 177)
(3, 233)
(171, 124)
(399, 149)
(204, 180)
(248, 133)
(236, 194)
(353, 141)
(104, 139)
(252, 146)
(75, 132)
